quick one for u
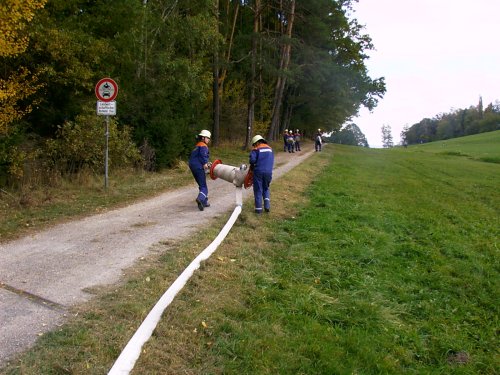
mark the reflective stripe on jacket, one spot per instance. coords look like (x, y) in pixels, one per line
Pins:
(262, 158)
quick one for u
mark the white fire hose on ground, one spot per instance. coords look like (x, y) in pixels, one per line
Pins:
(129, 355)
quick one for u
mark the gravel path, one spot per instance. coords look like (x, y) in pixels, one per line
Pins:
(44, 274)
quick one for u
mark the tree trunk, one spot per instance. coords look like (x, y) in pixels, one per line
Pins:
(216, 101)
(223, 74)
(251, 95)
(281, 81)
(287, 118)
(220, 74)
(215, 86)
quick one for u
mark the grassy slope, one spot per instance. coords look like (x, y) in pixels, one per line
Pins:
(484, 147)
(391, 267)
(381, 261)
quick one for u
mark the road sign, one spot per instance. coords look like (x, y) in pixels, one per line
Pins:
(106, 108)
(106, 90)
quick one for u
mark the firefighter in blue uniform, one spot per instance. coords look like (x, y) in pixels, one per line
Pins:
(261, 163)
(200, 165)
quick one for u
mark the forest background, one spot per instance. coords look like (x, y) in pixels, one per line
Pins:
(235, 67)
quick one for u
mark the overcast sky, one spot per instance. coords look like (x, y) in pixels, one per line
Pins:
(435, 55)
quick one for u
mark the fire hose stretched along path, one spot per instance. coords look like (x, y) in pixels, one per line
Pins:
(129, 355)
(45, 274)
(126, 361)
(239, 177)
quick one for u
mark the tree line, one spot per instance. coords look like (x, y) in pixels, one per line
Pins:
(456, 123)
(236, 67)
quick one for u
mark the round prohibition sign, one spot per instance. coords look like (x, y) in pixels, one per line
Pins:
(106, 90)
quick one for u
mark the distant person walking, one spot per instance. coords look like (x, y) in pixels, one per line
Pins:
(199, 165)
(297, 137)
(318, 140)
(261, 163)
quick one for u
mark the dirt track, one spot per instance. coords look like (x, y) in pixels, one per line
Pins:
(43, 275)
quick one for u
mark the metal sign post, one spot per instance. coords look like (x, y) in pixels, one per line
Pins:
(106, 155)
(106, 91)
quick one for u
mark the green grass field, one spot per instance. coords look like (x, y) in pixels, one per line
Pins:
(371, 262)
(484, 147)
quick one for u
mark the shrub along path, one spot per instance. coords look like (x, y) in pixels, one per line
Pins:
(45, 274)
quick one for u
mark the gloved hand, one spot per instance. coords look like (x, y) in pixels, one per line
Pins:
(248, 179)
(206, 167)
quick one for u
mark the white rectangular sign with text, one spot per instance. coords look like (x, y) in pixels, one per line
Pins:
(106, 108)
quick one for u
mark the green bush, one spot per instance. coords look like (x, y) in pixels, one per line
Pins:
(13, 156)
(80, 144)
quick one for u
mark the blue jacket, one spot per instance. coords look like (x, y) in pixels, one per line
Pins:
(199, 156)
(262, 158)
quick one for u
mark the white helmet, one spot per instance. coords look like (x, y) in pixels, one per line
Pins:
(205, 133)
(257, 138)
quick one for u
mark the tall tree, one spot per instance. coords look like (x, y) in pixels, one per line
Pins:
(227, 16)
(216, 85)
(170, 103)
(253, 74)
(328, 75)
(14, 17)
(350, 134)
(480, 107)
(287, 13)
(387, 136)
(17, 83)
(404, 135)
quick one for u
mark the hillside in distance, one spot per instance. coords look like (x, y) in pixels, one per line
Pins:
(484, 147)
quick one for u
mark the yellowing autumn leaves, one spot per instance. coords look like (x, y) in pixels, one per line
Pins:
(19, 85)
(14, 15)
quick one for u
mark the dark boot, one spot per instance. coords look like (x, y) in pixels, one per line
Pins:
(200, 204)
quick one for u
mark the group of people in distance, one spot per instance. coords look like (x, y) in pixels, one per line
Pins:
(291, 140)
(261, 160)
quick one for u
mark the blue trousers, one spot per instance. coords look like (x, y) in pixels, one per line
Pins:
(261, 182)
(201, 179)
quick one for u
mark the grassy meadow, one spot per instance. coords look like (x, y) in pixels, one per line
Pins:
(483, 147)
(371, 262)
